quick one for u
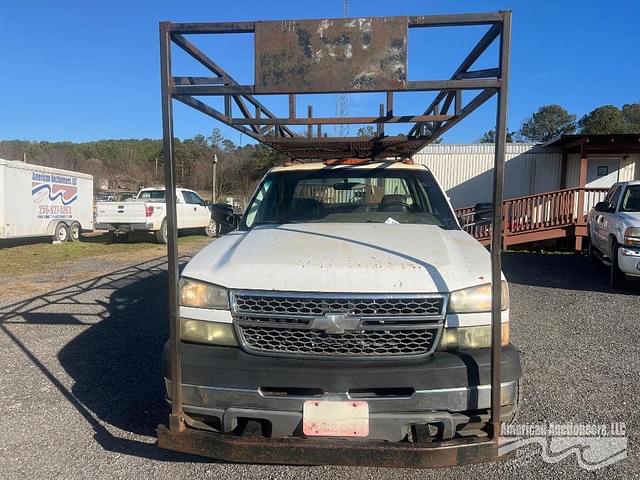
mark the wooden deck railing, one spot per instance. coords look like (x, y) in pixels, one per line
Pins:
(525, 216)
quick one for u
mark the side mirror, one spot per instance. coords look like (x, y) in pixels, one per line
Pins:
(604, 207)
(483, 212)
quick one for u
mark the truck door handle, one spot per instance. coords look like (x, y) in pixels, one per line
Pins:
(195, 209)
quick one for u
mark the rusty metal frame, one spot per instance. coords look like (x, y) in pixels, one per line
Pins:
(445, 111)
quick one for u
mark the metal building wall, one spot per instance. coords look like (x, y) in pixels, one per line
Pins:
(466, 171)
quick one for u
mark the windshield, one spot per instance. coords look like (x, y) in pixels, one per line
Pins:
(631, 199)
(350, 195)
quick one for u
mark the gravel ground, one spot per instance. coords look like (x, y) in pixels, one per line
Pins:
(80, 389)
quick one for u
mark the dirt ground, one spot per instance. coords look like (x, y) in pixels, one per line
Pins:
(36, 267)
(81, 391)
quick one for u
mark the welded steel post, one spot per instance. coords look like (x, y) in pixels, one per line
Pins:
(176, 421)
(496, 232)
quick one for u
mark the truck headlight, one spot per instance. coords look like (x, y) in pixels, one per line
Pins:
(471, 337)
(476, 299)
(214, 333)
(203, 295)
(632, 237)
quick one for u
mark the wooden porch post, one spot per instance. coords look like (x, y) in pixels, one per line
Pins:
(582, 183)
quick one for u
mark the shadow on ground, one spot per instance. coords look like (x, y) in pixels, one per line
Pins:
(100, 237)
(114, 364)
(565, 271)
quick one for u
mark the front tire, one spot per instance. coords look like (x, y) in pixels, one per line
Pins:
(618, 278)
(512, 419)
(593, 258)
(212, 229)
(161, 235)
(61, 233)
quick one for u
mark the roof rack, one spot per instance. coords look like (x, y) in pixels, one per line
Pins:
(287, 63)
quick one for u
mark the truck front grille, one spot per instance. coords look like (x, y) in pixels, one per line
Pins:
(294, 324)
(360, 343)
(359, 306)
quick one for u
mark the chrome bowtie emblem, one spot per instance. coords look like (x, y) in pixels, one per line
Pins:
(336, 323)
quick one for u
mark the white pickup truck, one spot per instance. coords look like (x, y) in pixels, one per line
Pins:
(346, 290)
(614, 232)
(147, 212)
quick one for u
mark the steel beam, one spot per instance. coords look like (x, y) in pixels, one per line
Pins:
(455, 20)
(483, 73)
(480, 47)
(205, 61)
(465, 112)
(340, 120)
(309, 451)
(212, 28)
(198, 80)
(213, 113)
(411, 86)
(176, 420)
(496, 232)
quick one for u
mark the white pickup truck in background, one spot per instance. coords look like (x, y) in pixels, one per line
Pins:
(614, 232)
(147, 212)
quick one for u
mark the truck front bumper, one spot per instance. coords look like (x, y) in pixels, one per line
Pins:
(450, 391)
(629, 260)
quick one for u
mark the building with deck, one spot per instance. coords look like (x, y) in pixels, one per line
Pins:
(546, 185)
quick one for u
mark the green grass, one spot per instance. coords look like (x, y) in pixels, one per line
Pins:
(23, 259)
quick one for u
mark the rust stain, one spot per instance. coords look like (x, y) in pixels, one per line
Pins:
(331, 55)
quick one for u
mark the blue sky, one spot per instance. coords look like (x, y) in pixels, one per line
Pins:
(88, 70)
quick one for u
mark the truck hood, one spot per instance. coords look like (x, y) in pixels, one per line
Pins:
(345, 258)
(631, 219)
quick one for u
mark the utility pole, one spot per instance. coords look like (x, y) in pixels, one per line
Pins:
(214, 179)
(24, 157)
(342, 107)
(156, 177)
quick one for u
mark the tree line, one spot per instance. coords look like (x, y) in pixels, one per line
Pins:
(553, 120)
(133, 163)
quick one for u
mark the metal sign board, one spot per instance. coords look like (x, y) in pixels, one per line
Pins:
(339, 55)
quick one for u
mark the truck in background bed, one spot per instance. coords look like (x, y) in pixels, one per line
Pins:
(147, 212)
(38, 201)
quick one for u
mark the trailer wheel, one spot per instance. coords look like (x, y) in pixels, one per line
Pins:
(74, 232)
(161, 235)
(61, 233)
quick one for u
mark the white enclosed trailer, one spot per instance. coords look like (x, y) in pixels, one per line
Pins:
(38, 201)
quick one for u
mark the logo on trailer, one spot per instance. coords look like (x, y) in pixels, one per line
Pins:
(56, 187)
(53, 195)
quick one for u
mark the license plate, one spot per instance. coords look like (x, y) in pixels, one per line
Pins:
(335, 419)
